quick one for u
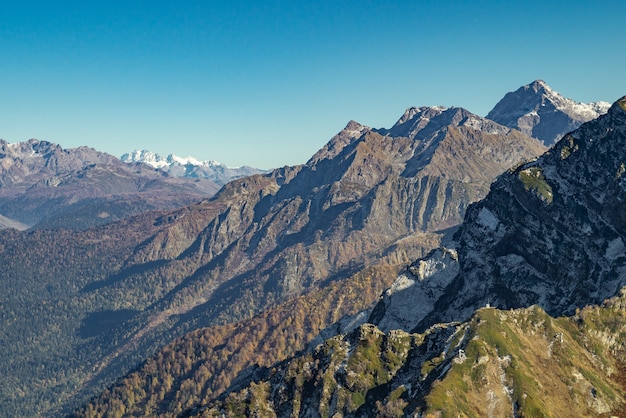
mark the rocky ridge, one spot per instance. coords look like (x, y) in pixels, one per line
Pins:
(543, 113)
(550, 232)
(518, 362)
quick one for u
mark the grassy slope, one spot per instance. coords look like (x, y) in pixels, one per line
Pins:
(514, 363)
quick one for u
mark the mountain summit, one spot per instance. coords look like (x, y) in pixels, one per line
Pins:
(543, 113)
(366, 198)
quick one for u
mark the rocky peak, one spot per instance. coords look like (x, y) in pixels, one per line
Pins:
(28, 148)
(420, 123)
(414, 120)
(543, 113)
(337, 143)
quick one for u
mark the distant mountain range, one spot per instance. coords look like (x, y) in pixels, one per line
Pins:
(45, 186)
(316, 242)
(190, 167)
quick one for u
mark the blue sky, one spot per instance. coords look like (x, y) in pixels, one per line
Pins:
(268, 83)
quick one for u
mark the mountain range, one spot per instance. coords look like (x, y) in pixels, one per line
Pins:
(477, 328)
(284, 258)
(43, 185)
(533, 250)
(189, 167)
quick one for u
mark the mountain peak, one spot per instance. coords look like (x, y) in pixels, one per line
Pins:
(337, 143)
(421, 112)
(420, 122)
(355, 128)
(539, 85)
(543, 113)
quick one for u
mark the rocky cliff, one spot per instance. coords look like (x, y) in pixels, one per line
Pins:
(367, 197)
(471, 329)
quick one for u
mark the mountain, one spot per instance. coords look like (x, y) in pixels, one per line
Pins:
(190, 167)
(542, 113)
(44, 185)
(369, 197)
(550, 232)
(522, 314)
(107, 297)
(217, 357)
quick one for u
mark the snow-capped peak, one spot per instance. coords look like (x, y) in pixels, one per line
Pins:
(157, 161)
(173, 159)
(189, 166)
(144, 156)
(543, 113)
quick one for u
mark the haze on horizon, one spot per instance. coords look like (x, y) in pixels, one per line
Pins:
(267, 84)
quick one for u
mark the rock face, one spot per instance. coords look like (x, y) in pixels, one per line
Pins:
(189, 167)
(45, 185)
(363, 195)
(550, 232)
(542, 113)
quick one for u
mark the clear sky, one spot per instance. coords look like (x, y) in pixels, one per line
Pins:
(267, 83)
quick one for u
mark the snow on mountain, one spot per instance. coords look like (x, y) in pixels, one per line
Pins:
(189, 167)
(543, 113)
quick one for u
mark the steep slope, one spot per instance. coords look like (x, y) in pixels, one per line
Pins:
(499, 363)
(260, 241)
(45, 185)
(551, 232)
(189, 167)
(542, 113)
(10, 223)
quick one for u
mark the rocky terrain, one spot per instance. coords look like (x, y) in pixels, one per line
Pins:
(543, 113)
(550, 232)
(45, 186)
(500, 363)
